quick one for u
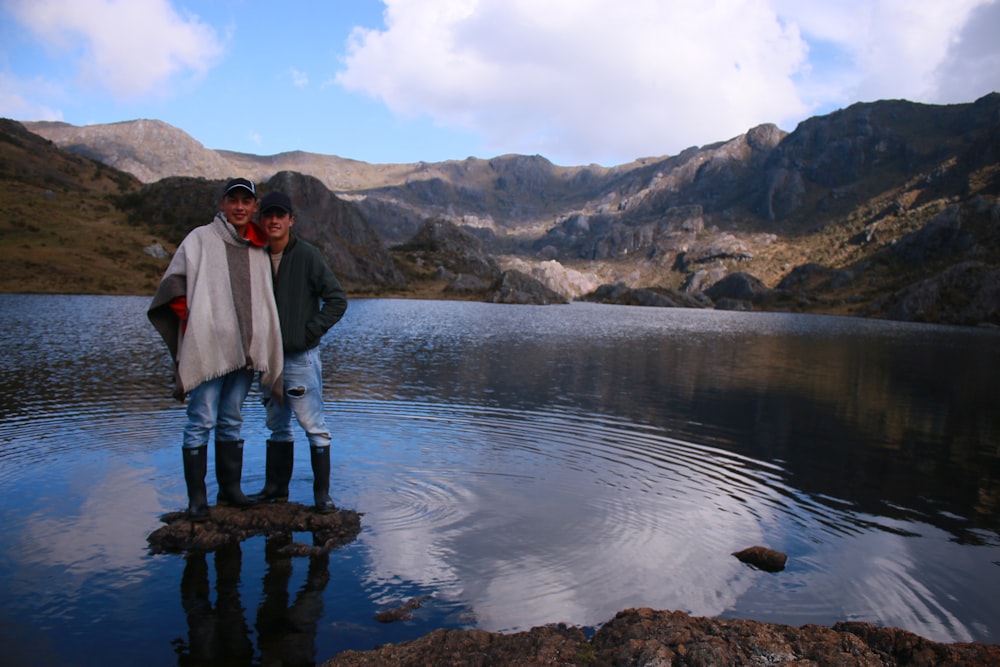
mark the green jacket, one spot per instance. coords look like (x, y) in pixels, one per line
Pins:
(310, 298)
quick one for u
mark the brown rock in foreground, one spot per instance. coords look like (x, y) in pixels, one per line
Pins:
(649, 637)
(231, 524)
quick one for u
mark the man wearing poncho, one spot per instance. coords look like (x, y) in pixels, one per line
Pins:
(215, 310)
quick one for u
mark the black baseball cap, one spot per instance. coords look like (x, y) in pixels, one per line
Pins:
(276, 200)
(244, 183)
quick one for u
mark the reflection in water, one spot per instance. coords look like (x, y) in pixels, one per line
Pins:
(510, 530)
(517, 465)
(287, 632)
(859, 411)
(218, 634)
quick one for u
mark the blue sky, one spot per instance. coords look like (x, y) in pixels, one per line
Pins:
(577, 81)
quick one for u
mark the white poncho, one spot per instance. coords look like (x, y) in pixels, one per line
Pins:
(232, 318)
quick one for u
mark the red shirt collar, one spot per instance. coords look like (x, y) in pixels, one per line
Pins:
(253, 233)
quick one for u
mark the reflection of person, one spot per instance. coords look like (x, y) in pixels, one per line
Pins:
(310, 301)
(215, 310)
(218, 635)
(286, 634)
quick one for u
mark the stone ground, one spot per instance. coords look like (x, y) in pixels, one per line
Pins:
(232, 524)
(671, 638)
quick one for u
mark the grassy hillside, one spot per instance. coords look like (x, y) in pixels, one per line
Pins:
(60, 231)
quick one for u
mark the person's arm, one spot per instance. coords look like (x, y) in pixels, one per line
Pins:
(168, 310)
(324, 284)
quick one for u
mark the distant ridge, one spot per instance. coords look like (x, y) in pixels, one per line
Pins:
(874, 197)
(150, 150)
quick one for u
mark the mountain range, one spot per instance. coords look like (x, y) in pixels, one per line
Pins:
(885, 209)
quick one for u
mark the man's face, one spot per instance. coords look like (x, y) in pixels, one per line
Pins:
(276, 223)
(239, 206)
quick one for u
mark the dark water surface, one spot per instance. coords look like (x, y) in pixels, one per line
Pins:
(520, 466)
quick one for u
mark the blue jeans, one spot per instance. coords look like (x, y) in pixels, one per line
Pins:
(217, 404)
(303, 387)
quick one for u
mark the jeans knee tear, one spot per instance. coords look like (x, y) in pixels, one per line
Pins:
(297, 391)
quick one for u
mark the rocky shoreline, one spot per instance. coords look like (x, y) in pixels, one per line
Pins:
(673, 638)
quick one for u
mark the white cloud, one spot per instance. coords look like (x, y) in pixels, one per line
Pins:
(299, 78)
(889, 49)
(582, 78)
(972, 65)
(609, 80)
(130, 49)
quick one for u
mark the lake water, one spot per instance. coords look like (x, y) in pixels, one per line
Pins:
(518, 466)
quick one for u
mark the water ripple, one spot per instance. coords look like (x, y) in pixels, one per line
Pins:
(496, 504)
(528, 517)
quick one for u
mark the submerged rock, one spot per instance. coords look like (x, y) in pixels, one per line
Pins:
(232, 524)
(763, 558)
(402, 612)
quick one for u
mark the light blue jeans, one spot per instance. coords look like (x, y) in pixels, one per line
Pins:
(303, 388)
(217, 404)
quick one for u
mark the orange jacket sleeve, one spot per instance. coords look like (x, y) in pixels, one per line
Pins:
(180, 308)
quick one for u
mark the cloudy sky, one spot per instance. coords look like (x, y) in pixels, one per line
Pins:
(577, 81)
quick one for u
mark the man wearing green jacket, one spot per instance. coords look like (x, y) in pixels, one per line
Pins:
(310, 300)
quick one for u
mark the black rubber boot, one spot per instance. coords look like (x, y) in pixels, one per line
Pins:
(320, 457)
(228, 472)
(278, 472)
(195, 467)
